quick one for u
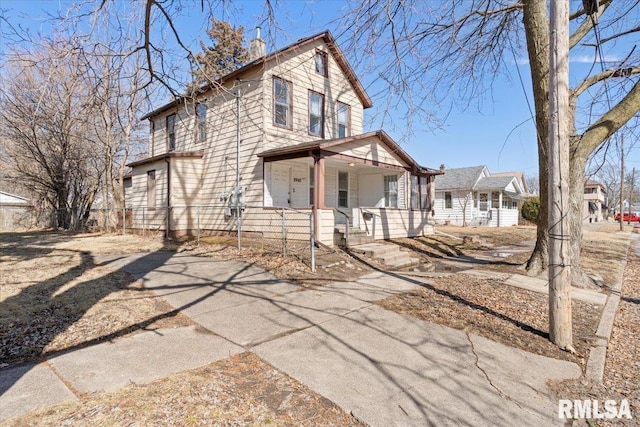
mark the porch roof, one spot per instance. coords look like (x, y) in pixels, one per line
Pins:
(170, 154)
(494, 182)
(308, 149)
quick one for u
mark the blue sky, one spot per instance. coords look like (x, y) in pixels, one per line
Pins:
(500, 136)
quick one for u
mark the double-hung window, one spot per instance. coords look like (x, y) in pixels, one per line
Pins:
(448, 200)
(343, 189)
(316, 114)
(415, 193)
(343, 120)
(171, 132)
(201, 123)
(321, 63)
(419, 195)
(282, 105)
(391, 191)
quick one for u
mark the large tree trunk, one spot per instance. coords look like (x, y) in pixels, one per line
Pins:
(536, 23)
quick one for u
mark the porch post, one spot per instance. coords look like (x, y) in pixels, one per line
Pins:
(499, 207)
(318, 192)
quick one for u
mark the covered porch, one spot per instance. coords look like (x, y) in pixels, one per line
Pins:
(364, 183)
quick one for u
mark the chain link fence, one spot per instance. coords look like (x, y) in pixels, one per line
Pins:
(286, 231)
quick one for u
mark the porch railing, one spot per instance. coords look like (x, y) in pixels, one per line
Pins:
(346, 225)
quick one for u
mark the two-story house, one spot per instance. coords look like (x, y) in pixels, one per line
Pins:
(595, 202)
(285, 130)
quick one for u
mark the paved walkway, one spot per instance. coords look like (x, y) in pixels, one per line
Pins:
(383, 367)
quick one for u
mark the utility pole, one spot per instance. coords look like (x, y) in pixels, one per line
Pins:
(631, 188)
(560, 328)
(621, 210)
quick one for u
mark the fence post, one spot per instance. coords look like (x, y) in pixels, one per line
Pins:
(198, 224)
(124, 221)
(284, 235)
(312, 243)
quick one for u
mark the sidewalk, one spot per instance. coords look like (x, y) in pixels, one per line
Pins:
(383, 367)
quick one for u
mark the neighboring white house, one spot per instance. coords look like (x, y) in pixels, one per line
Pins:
(298, 144)
(15, 212)
(595, 202)
(473, 196)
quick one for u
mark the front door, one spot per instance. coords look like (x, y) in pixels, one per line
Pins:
(280, 185)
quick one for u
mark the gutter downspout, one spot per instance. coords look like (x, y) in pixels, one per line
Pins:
(168, 226)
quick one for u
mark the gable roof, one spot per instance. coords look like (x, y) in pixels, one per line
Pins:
(495, 182)
(8, 198)
(304, 149)
(331, 45)
(459, 178)
(519, 175)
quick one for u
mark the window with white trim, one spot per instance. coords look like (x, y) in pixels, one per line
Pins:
(316, 114)
(448, 200)
(321, 63)
(344, 113)
(282, 105)
(171, 132)
(201, 122)
(343, 189)
(391, 191)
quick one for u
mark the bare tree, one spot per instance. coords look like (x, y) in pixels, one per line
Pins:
(47, 113)
(464, 45)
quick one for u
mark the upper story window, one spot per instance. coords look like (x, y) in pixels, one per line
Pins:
(316, 114)
(321, 63)
(201, 122)
(152, 137)
(171, 132)
(344, 116)
(282, 105)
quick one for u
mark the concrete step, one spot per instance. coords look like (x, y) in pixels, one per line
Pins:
(376, 250)
(403, 262)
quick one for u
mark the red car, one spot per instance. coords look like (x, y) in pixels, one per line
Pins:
(635, 216)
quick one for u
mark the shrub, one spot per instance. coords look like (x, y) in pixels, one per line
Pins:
(530, 209)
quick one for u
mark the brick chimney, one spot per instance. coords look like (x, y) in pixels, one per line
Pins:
(257, 47)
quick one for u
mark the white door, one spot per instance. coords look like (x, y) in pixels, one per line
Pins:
(280, 185)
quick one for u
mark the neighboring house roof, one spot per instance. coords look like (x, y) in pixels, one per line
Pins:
(305, 149)
(7, 198)
(494, 182)
(331, 45)
(592, 183)
(477, 178)
(460, 178)
(519, 175)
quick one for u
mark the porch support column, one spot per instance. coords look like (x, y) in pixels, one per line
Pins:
(318, 192)
(499, 207)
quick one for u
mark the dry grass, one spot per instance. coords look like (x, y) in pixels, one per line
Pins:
(502, 313)
(239, 391)
(54, 296)
(622, 369)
